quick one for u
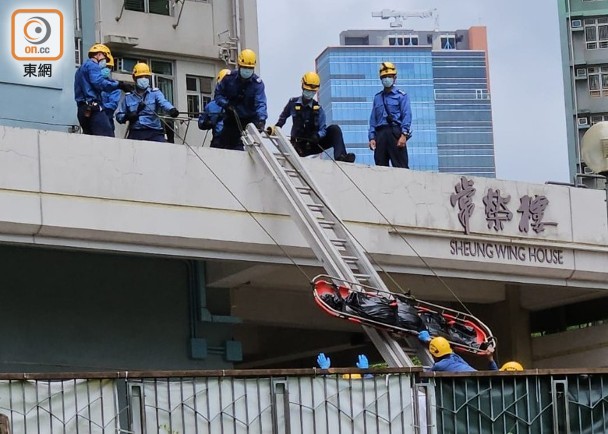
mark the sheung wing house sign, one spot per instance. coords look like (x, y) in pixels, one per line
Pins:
(499, 212)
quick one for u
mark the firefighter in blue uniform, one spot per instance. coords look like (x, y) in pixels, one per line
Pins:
(241, 94)
(110, 100)
(448, 361)
(212, 118)
(309, 133)
(390, 121)
(89, 83)
(140, 108)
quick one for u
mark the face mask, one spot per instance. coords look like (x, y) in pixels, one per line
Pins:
(308, 94)
(105, 72)
(387, 81)
(102, 63)
(143, 83)
(246, 72)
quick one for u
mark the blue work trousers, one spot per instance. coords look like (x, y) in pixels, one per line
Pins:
(94, 121)
(387, 150)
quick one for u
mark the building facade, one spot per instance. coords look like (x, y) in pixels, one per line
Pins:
(446, 77)
(185, 43)
(584, 43)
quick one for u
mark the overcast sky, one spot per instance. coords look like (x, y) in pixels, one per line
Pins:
(524, 54)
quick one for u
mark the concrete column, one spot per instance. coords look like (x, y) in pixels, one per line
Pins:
(510, 323)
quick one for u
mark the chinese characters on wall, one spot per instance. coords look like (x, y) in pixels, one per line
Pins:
(496, 208)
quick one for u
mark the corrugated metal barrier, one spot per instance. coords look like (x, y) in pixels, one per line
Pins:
(553, 401)
(204, 402)
(304, 402)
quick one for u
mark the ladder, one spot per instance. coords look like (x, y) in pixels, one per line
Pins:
(338, 251)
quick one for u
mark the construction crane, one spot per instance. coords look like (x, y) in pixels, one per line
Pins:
(399, 16)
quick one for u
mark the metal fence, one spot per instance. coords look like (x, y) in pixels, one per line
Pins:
(523, 404)
(304, 402)
(201, 404)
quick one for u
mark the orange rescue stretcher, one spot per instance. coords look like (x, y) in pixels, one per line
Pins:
(401, 314)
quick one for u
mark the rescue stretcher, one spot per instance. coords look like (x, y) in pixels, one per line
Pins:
(465, 332)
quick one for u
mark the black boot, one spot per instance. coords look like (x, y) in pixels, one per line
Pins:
(349, 158)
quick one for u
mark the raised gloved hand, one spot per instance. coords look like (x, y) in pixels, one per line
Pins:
(323, 361)
(174, 112)
(125, 87)
(424, 336)
(131, 117)
(363, 363)
(260, 125)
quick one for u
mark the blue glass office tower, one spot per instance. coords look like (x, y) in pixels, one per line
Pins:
(448, 85)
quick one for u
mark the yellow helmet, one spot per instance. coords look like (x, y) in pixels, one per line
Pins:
(387, 68)
(99, 48)
(247, 58)
(141, 69)
(110, 62)
(439, 347)
(512, 366)
(222, 74)
(311, 81)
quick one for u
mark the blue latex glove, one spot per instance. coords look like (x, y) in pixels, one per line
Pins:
(362, 363)
(424, 336)
(323, 362)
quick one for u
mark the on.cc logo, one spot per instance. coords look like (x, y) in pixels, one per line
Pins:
(37, 34)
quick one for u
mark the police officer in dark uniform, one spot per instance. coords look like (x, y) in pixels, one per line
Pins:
(89, 83)
(390, 121)
(309, 133)
(241, 94)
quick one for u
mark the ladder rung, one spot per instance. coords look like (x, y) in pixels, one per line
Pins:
(360, 277)
(338, 242)
(327, 223)
(350, 259)
(315, 206)
(292, 173)
(304, 190)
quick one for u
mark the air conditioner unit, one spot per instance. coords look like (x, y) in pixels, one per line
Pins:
(576, 24)
(582, 122)
(581, 72)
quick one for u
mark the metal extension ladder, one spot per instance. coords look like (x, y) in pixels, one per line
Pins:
(336, 248)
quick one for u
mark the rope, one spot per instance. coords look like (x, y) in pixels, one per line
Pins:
(382, 269)
(291, 259)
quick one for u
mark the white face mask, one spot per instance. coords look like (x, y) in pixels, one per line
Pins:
(246, 72)
(387, 81)
(143, 83)
(102, 63)
(308, 94)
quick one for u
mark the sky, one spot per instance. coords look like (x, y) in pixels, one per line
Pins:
(524, 55)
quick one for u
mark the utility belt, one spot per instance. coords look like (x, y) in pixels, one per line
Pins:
(90, 107)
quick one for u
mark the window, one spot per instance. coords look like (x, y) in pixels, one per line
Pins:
(160, 7)
(403, 40)
(582, 121)
(581, 72)
(198, 93)
(78, 51)
(596, 33)
(448, 42)
(597, 79)
(598, 118)
(162, 72)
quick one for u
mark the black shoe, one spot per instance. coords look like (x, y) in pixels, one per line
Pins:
(349, 158)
